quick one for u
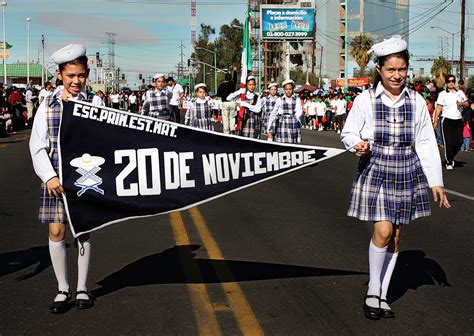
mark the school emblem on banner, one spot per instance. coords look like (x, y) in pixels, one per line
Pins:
(131, 166)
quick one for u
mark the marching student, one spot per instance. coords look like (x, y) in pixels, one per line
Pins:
(73, 72)
(199, 112)
(157, 100)
(268, 103)
(283, 124)
(389, 127)
(250, 127)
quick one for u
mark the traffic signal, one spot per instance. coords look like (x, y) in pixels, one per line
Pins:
(189, 62)
(123, 76)
(140, 76)
(97, 57)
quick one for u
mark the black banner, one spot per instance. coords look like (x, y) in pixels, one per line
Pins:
(116, 165)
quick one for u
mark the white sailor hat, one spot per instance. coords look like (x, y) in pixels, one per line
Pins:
(272, 84)
(200, 85)
(390, 46)
(250, 77)
(288, 81)
(87, 160)
(68, 53)
(158, 75)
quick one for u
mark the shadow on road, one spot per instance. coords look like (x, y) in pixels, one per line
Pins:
(168, 267)
(15, 261)
(414, 270)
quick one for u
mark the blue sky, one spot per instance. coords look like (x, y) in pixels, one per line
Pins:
(149, 32)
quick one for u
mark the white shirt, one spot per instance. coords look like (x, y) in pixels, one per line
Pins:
(278, 109)
(360, 127)
(320, 109)
(115, 98)
(449, 102)
(257, 108)
(39, 142)
(175, 90)
(311, 108)
(96, 100)
(132, 99)
(44, 94)
(29, 96)
(216, 104)
(340, 106)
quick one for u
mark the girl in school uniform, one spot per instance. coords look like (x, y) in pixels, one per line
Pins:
(268, 103)
(199, 112)
(251, 122)
(283, 125)
(156, 102)
(73, 72)
(389, 127)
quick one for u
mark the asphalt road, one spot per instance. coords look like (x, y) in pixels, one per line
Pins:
(279, 258)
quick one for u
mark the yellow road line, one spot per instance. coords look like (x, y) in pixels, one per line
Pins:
(203, 311)
(244, 314)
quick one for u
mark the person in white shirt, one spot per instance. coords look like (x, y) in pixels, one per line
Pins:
(72, 72)
(177, 93)
(115, 100)
(311, 113)
(320, 112)
(450, 102)
(340, 106)
(45, 92)
(389, 127)
(283, 125)
(98, 98)
(29, 97)
(133, 102)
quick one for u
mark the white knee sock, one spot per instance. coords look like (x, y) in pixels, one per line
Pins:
(58, 253)
(83, 258)
(376, 260)
(388, 267)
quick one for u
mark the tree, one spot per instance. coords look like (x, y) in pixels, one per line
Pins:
(359, 47)
(440, 69)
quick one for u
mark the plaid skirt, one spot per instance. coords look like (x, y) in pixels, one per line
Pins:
(51, 209)
(389, 186)
(204, 123)
(162, 115)
(251, 127)
(288, 129)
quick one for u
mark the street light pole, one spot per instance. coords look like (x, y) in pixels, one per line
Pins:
(215, 67)
(28, 19)
(4, 4)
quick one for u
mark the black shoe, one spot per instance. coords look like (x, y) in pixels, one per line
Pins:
(386, 313)
(84, 303)
(370, 312)
(60, 307)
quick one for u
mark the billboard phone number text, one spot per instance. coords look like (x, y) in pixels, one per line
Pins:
(286, 34)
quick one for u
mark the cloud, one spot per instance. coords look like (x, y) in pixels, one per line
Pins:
(93, 28)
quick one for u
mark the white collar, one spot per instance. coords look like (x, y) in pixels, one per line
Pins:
(380, 89)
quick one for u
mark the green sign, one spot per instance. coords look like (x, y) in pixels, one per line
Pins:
(183, 81)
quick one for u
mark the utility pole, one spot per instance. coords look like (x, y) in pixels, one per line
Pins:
(42, 62)
(181, 63)
(463, 22)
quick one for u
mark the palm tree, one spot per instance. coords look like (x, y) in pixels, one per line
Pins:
(358, 50)
(440, 69)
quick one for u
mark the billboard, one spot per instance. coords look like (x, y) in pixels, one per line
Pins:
(352, 82)
(286, 23)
